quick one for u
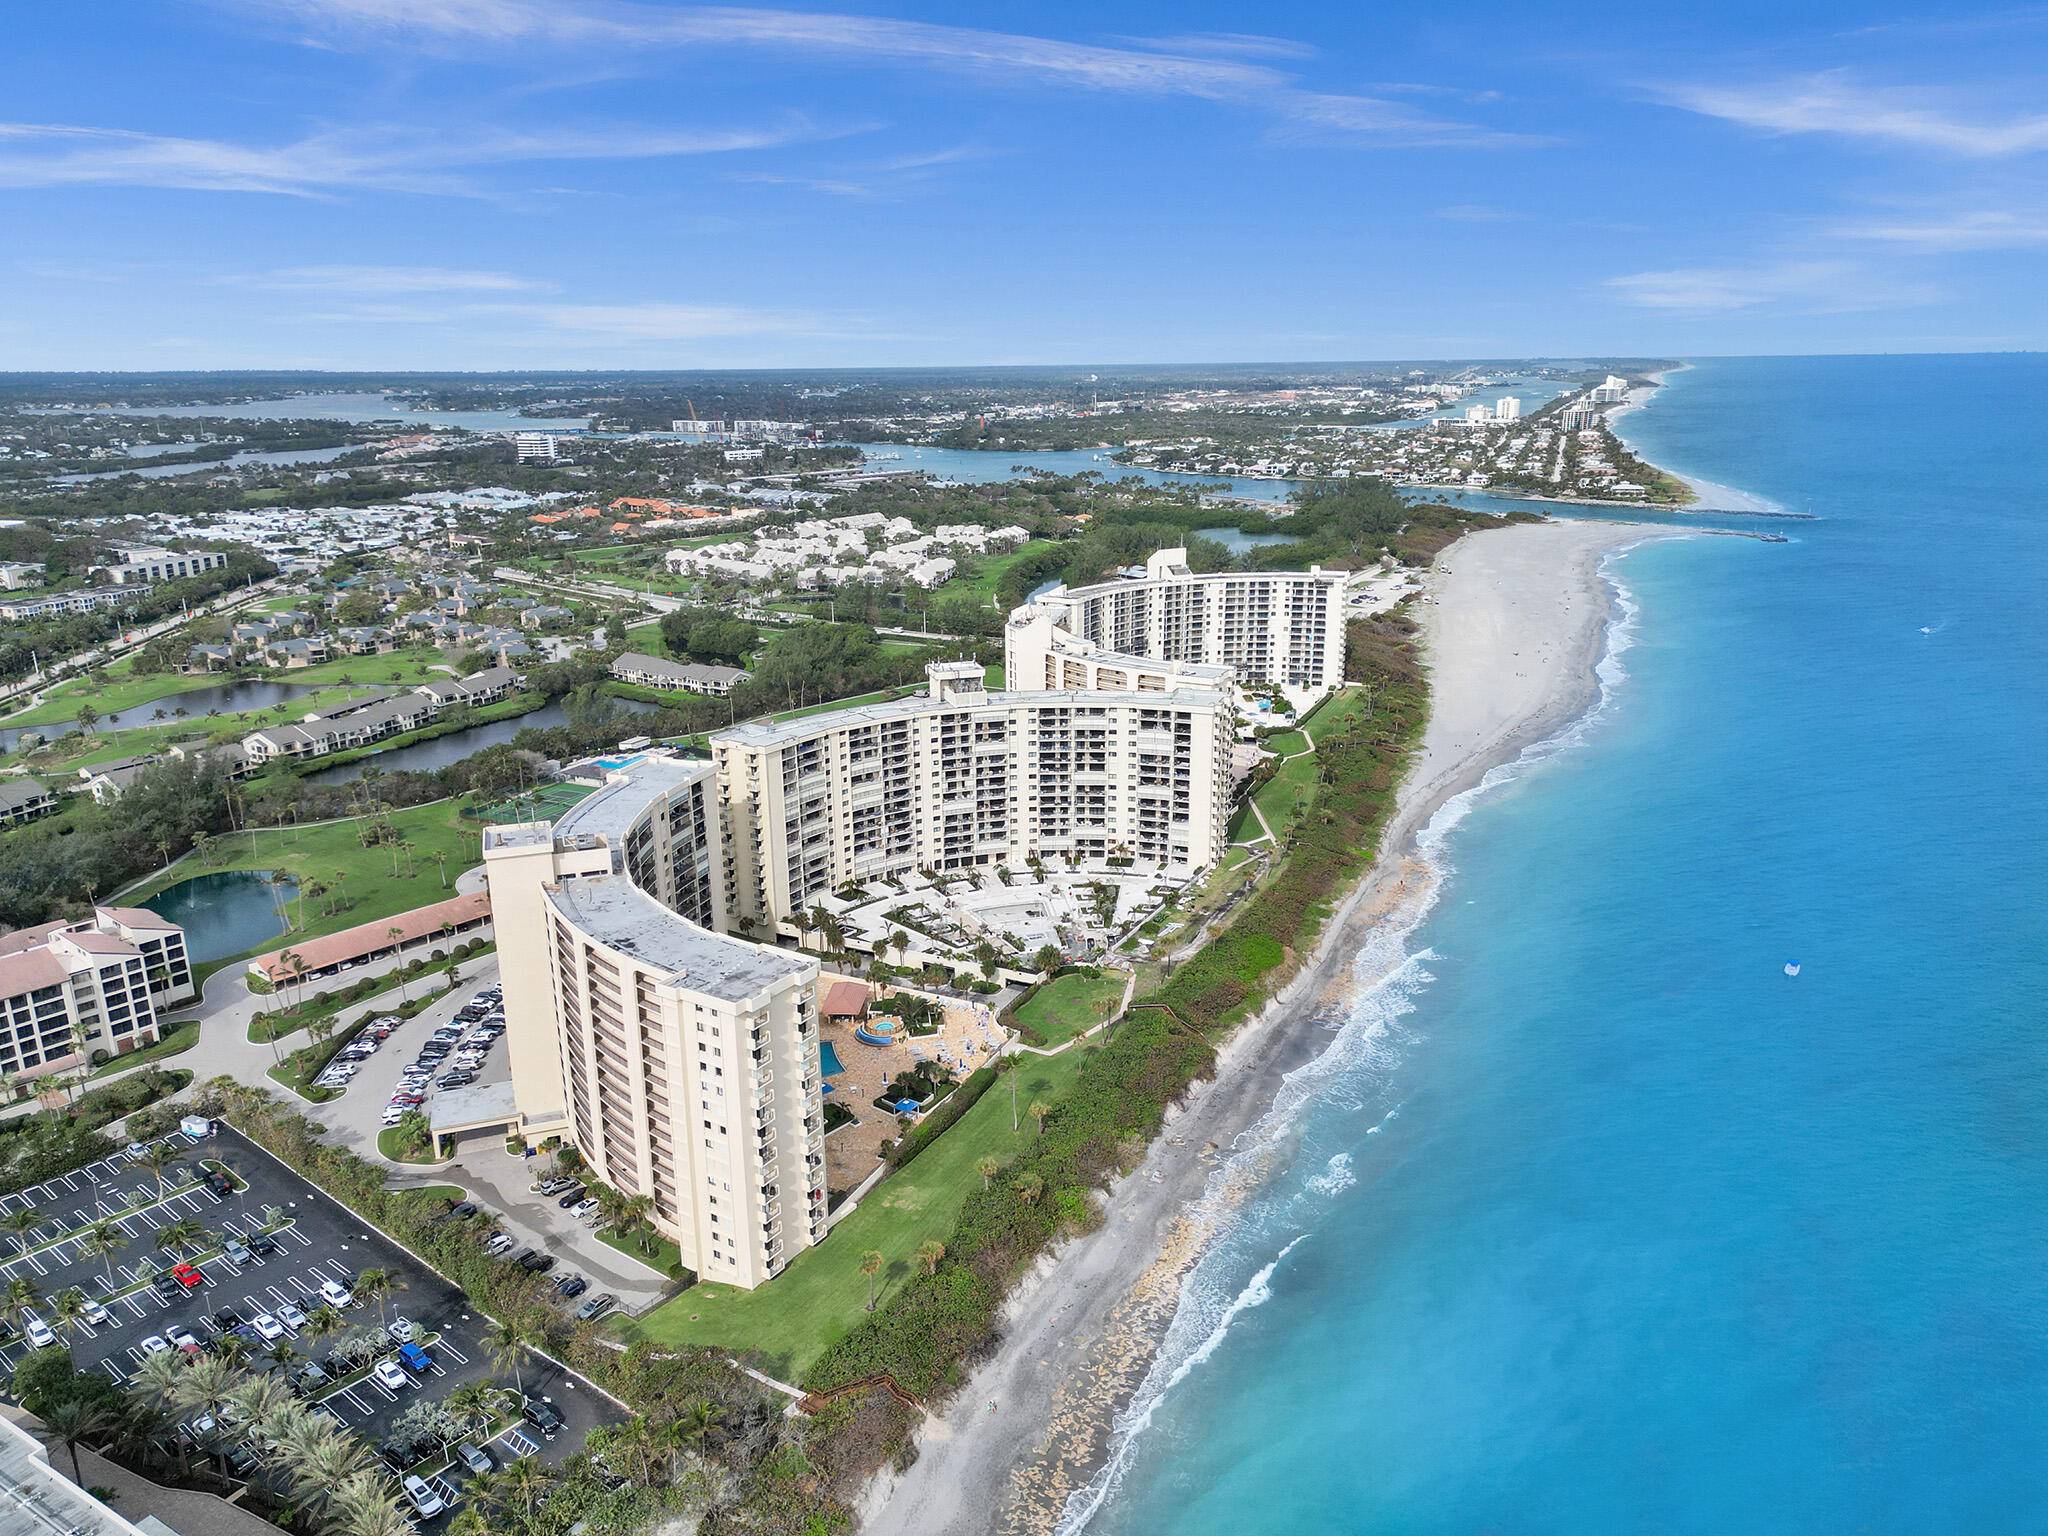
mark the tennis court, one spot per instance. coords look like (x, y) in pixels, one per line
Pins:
(543, 804)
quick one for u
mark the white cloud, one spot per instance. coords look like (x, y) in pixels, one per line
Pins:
(1833, 103)
(1212, 71)
(1812, 287)
(1986, 229)
(62, 154)
(388, 280)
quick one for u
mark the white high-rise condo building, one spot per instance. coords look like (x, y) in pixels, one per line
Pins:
(958, 778)
(1507, 408)
(71, 990)
(1171, 627)
(534, 447)
(682, 1063)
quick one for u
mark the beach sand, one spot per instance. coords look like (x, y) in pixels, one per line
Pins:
(1516, 620)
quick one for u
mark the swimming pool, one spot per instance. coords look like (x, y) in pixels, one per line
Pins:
(616, 764)
(828, 1059)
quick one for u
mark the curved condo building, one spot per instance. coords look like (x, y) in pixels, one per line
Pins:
(1172, 628)
(682, 1063)
(959, 777)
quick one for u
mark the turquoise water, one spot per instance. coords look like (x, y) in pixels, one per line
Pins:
(226, 913)
(970, 466)
(828, 1059)
(1591, 1219)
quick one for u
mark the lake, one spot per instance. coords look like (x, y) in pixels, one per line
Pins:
(213, 466)
(227, 698)
(226, 913)
(426, 756)
(970, 466)
(1237, 541)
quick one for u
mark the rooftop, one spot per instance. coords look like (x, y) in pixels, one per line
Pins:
(777, 733)
(611, 812)
(613, 911)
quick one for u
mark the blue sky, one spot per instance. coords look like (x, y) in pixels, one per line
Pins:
(629, 183)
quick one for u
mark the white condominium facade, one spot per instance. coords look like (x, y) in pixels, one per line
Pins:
(68, 990)
(681, 1062)
(960, 777)
(1285, 628)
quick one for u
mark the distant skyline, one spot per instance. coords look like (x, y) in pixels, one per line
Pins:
(491, 184)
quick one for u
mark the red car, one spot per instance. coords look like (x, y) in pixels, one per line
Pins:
(189, 1276)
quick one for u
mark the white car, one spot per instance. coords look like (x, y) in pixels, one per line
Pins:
(155, 1344)
(289, 1314)
(423, 1498)
(402, 1330)
(183, 1337)
(40, 1334)
(268, 1326)
(335, 1294)
(92, 1311)
(391, 1374)
(392, 1115)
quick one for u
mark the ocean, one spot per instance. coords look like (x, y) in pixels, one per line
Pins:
(1593, 1219)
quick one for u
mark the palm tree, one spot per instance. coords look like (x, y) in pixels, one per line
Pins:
(363, 1506)
(207, 1385)
(929, 1252)
(157, 1157)
(871, 1266)
(396, 935)
(67, 1312)
(378, 1285)
(290, 964)
(73, 1419)
(987, 1167)
(508, 1351)
(156, 1379)
(266, 1402)
(525, 1484)
(471, 1404)
(1029, 1188)
(20, 1299)
(182, 1236)
(1038, 1111)
(21, 1223)
(324, 1322)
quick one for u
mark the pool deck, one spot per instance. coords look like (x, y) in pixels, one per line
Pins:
(851, 1151)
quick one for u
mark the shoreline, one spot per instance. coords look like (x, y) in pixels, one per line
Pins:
(1039, 1419)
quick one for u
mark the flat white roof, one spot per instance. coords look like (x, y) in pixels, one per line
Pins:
(616, 913)
(769, 733)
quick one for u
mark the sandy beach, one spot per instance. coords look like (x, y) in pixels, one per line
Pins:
(1515, 619)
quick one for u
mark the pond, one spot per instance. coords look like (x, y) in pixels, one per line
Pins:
(227, 913)
(1237, 541)
(197, 703)
(426, 756)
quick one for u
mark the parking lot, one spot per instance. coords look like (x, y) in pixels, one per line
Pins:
(314, 1241)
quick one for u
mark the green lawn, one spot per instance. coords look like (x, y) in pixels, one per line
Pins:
(1282, 798)
(368, 889)
(989, 571)
(666, 1259)
(1285, 743)
(181, 1037)
(1066, 1005)
(792, 1320)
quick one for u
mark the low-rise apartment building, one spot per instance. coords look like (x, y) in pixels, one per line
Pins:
(960, 777)
(24, 799)
(63, 604)
(686, 676)
(68, 990)
(153, 565)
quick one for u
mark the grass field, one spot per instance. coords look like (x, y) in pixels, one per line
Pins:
(1282, 798)
(821, 1296)
(989, 571)
(332, 853)
(1067, 1005)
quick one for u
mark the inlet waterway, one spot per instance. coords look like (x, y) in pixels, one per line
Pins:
(440, 751)
(197, 704)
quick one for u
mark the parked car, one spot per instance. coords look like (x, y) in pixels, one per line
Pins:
(462, 1210)
(475, 1457)
(40, 1334)
(238, 1252)
(415, 1359)
(597, 1306)
(92, 1312)
(583, 1210)
(154, 1344)
(575, 1194)
(501, 1242)
(166, 1288)
(184, 1338)
(226, 1319)
(423, 1498)
(267, 1327)
(390, 1373)
(542, 1416)
(290, 1316)
(310, 1377)
(264, 1244)
(190, 1276)
(335, 1294)
(402, 1330)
